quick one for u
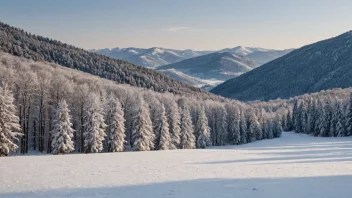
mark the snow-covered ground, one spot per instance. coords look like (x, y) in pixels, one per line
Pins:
(293, 166)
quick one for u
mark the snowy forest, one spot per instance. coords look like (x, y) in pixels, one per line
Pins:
(48, 108)
(324, 114)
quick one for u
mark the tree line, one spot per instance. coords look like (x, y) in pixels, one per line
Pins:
(59, 110)
(324, 114)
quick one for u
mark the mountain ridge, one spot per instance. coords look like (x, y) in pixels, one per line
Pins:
(319, 66)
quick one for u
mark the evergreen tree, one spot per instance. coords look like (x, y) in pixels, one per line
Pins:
(236, 127)
(162, 128)
(116, 127)
(252, 126)
(94, 126)
(62, 132)
(174, 124)
(340, 117)
(9, 122)
(187, 136)
(221, 125)
(142, 134)
(203, 130)
(349, 117)
(289, 124)
(277, 130)
(243, 128)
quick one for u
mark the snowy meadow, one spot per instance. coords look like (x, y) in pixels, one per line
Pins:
(295, 165)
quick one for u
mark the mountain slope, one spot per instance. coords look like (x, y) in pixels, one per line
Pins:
(218, 65)
(190, 80)
(20, 43)
(152, 57)
(323, 65)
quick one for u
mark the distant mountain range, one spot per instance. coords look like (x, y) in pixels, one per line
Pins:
(323, 65)
(211, 66)
(152, 57)
(218, 65)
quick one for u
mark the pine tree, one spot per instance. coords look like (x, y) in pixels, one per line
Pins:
(187, 136)
(142, 134)
(174, 125)
(116, 127)
(9, 122)
(334, 119)
(94, 126)
(203, 130)
(162, 128)
(295, 116)
(221, 125)
(270, 128)
(340, 117)
(252, 127)
(277, 130)
(243, 128)
(236, 128)
(349, 117)
(289, 121)
(62, 132)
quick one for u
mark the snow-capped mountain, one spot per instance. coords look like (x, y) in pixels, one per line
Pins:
(152, 57)
(218, 65)
(244, 51)
(320, 66)
(205, 65)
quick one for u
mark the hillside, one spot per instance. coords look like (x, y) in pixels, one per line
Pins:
(190, 80)
(218, 65)
(152, 57)
(323, 65)
(20, 43)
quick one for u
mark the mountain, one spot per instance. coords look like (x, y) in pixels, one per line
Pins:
(218, 65)
(262, 57)
(323, 65)
(190, 80)
(152, 57)
(20, 43)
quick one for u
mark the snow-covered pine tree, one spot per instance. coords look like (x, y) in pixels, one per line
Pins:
(310, 117)
(116, 126)
(203, 130)
(94, 127)
(277, 130)
(324, 119)
(340, 130)
(295, 115)
(187, 137)
(252, 127)
(162, 128)
(62, 132)
(142, 133)
(270, 128)
(243, 128)
(174, 125)
(236, 127)
(334, 114)
(319, 120)
(9, 122)
(349, 118)
(221, 125)
(289, 124)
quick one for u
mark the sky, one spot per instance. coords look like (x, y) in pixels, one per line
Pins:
(181, 24)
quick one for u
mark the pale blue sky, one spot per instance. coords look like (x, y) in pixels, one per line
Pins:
(181, 24)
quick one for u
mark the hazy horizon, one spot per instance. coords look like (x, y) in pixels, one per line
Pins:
(197, 25)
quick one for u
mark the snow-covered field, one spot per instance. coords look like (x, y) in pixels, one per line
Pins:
(293, 166)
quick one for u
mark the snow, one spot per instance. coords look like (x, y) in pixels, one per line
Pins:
(295, 165)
